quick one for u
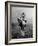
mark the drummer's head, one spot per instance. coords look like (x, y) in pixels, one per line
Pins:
(23, 15)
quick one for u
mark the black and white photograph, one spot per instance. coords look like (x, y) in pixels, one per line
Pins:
(20, 22)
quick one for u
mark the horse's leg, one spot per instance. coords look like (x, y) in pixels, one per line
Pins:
(22, 32)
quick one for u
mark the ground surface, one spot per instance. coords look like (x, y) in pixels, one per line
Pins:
(16, 31)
